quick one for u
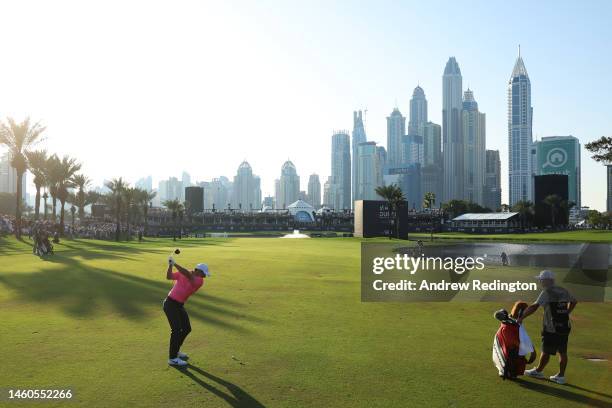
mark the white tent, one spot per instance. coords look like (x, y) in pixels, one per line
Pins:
(302, 211)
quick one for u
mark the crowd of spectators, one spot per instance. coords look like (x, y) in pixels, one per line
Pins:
(41, 228)
(6, 225)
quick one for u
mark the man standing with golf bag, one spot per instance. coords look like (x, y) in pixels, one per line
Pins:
(186, 283)
(558, 304)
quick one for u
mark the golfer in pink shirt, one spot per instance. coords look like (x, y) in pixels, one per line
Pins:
(186, 283)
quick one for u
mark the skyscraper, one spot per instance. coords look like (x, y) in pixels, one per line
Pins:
(207, 201)
(520, 117)
(8, 177)
(171, 189)
(432, 146)
(341, 170)
(412, 149)
(431, 170)
(396, 129)
(314, 191)
(369, 175)
(327, 193)
(452, 138)
(418, 111)
(145, 183)
(288, 186)
(359, 136)
(175, 189)
(474, 143)
(560, 155)
(217, 193)
(492, 187)
(246, 189)
(162, 191)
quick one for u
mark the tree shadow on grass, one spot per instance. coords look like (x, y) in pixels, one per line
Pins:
(80, 290)
(10, 245)
(564, 393)
(237, 397)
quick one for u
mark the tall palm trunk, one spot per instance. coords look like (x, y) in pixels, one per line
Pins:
(145, 212)
(18, 205)
(62, 203)
(128, 220)
(81, 205)
(54, 201)
(37, 203)
(118, 217)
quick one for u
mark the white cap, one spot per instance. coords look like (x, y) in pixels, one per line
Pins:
(546, 274)
(204, 268)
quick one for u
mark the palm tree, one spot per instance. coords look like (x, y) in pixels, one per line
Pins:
(566, 206)
(81, 182)
(19, 138)
(72, 200)
(145, 197)
(37, 162)
(455, 207)
(525, 210)
(53, 177)
(394, 196)
(116, 187)
(68, 167)
(130, 196)
(92, 197)
(45, 196)
(73, 210)
(429, 201)
(554, 201)
(176, 207)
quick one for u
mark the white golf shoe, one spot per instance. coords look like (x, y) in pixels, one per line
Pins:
(534, 373)
(177, 362)
(557, 378)
(182, 355)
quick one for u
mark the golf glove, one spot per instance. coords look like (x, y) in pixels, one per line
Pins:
(170, 261)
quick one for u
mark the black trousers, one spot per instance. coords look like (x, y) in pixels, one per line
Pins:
(179, 324)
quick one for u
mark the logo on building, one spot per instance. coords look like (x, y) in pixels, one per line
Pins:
(556, 157)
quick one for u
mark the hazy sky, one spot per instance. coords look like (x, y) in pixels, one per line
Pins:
(137, 88)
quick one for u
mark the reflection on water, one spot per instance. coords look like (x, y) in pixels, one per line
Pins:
(594, 256)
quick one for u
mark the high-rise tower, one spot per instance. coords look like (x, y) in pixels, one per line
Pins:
(474, 153)
(520, 118)
(288, 190)
(314, 191)
(359, 136)
(418, 111)
(247, 189)
(396, 130)
(452, 138)
(341, 170)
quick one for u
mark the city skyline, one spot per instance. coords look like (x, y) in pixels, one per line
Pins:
(181, 116)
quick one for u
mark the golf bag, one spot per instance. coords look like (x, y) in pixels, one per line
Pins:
(506, 344)
(42, 247)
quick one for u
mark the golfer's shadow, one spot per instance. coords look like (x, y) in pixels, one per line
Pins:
(237, 397)
(564, 392)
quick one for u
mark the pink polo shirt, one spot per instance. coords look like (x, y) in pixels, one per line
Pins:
(184, 287)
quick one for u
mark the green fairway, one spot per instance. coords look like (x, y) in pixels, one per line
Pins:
(573, 236)
(279, 324)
